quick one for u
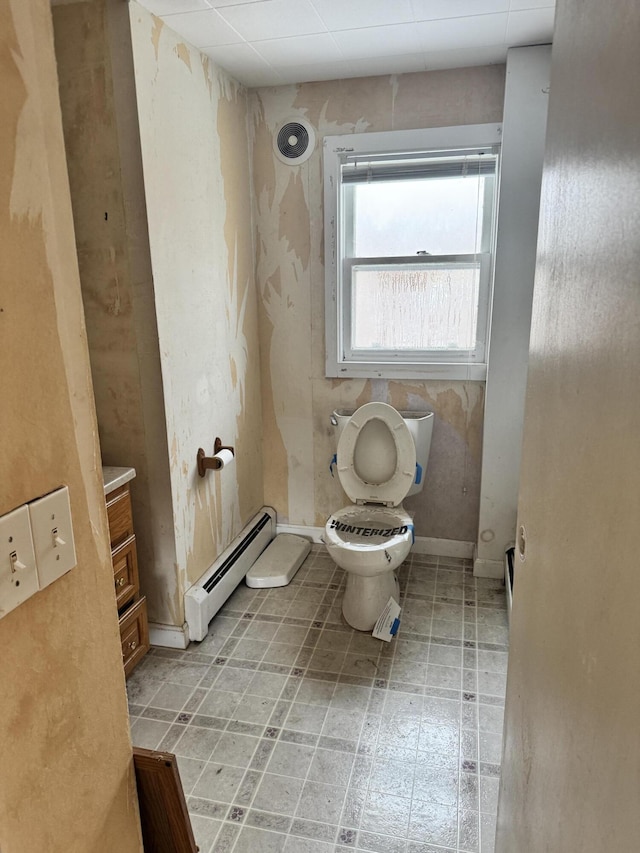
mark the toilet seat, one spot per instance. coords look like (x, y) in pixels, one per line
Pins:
(392, 491)
(369, 538)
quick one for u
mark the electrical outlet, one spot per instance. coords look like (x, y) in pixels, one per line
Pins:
(18, 576)
(52, 535)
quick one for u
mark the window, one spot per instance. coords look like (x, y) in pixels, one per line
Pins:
(408, 238)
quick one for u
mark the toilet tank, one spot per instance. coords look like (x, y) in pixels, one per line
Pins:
(420, 426)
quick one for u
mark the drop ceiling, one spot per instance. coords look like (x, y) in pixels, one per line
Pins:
(271, 42)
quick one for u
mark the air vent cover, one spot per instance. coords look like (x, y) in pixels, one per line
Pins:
(294, 141)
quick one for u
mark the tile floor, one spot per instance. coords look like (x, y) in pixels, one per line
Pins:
(296, 734)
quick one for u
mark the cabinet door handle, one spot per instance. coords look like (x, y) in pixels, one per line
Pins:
(121, 582)
(133, 645)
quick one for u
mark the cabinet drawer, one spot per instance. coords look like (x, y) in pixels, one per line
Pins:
(125, 572)
(119, 515)
(134, 634)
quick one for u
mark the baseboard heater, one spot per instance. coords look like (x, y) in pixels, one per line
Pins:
(203, 600)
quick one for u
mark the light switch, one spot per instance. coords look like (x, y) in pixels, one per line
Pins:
(18, 576)
(52, 535)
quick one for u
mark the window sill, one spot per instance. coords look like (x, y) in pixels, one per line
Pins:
(443, 370)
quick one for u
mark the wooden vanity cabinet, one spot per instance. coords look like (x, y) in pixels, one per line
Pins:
(132, 607)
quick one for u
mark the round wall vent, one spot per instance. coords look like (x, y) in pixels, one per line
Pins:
(294, 141)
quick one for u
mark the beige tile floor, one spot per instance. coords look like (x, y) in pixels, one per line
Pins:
(296, 734)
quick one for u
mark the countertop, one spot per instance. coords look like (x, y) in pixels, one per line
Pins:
(114, 477)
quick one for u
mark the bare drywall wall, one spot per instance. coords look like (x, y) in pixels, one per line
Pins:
(297, 398)
(571, 779)
(195, 153)
(66, 784)
(97, 93)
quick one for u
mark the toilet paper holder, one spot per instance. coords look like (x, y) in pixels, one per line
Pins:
(206, 463)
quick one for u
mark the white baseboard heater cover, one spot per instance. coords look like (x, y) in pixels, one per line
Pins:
(203, 600)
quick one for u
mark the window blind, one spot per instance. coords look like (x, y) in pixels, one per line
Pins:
(386, 168)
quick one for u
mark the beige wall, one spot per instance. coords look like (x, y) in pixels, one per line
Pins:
(297, 398)
(571, 779)
(66, 783)
(97, 93)
(195, 151)
(169, 298)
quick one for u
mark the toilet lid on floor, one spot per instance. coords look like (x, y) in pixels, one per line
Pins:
(376, 458)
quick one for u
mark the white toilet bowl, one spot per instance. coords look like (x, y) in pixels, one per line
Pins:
(376, 464)
(369, 543)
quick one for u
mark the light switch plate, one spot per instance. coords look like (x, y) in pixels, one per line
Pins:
(52, 535)
(18, 576)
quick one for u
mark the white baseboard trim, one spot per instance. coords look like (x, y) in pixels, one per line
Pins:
(422, 545)
(169, 636)
(488, 568)
(443, 547)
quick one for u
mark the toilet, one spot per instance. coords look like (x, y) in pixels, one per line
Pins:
(381, 458)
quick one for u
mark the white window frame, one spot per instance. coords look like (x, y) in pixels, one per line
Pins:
(341, 361)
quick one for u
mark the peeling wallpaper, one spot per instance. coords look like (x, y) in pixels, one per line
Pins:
(97, 94)
(196, 166)
(297, 399)
(67, 783)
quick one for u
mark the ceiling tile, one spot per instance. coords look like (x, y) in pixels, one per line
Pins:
(316, 71)
(379, 41)
(274, 19)
(202, 28)
(217, 4)
(458, 33)
(298, 50)
(466, 58)
(240, 60)
(377, 65)
(515, 5)
(167, 7)
(256, 79)
(534, 26)
(431, 10)
(353, 14)
(318, 39)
